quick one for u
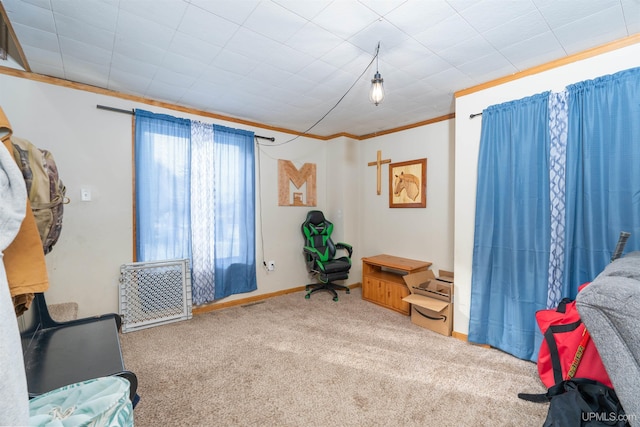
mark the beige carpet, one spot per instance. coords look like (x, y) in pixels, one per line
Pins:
(288, 361)
(63, 312)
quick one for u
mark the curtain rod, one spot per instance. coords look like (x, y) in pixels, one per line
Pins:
(471, 116)
(132, 112)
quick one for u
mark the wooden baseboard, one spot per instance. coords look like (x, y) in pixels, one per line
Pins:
(205, 308)
(465, 338)
(459, 336)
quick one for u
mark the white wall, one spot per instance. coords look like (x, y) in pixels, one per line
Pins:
(92, 148)
(467, 145)
(281, 234)
(417, 233)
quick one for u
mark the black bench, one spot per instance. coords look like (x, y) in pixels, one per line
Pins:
(62, 353)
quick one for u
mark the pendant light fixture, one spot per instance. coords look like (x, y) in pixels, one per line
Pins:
(376, 93)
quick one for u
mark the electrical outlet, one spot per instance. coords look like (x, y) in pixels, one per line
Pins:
(85, 194)
(271, 265)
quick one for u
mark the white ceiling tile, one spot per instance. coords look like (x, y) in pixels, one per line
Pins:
(252, 44)
(450, 32)
(461, 5)
(181, 64)
(381, 31)
(559, 13)
(449, 80)
(232, 10)
(235, 63)
(631, 10)
(31, 15)
(416, 16)
(86, 72)
(216, 75)
(132, 65)
(191, 47)
(487, 14)
(82, 51)
(349, 57)
(308, 9)
(80, 30)
(288, 59)
(45, 57)
(409, 91)
(282, 97)
(197, 54)
(255, 86)
(584, 33)
(425, 65)
(296, 84)
(338, 83)
(523, 27)
(174, 78)
(202, 89)
(29, 36)
(469, 49)
(405, 54)
(164, 91)
(382, 7)
(165, 12)
(48, 69)
(152, 55)
(534, 51)
(400, 80)
(94, 12)
(314, 40)
(488, 67)
(151, 33)
(274, 21)
(45, 4)
(267, 74)
(345, 18)
(128, 82)
(207, 26)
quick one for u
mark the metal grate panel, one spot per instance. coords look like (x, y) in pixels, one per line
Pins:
(154, 293)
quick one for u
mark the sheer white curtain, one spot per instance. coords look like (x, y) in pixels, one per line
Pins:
(202, 213)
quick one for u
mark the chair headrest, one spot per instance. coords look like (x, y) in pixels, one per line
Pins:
(315, 217)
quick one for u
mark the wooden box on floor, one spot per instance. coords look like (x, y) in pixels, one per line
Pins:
(431, 300)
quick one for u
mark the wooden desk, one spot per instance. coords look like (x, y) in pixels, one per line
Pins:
(382, 281)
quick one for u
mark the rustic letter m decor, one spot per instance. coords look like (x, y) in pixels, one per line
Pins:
(287, 173)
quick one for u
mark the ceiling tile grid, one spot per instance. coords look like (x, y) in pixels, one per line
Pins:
(286, 63)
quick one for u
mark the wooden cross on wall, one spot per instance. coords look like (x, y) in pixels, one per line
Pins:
(379, 162)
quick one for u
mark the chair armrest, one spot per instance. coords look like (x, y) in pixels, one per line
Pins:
(346, 247)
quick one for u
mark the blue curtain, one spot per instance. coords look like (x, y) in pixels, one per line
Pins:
(195, 198)
(603, 173)
(511, 241)
(592, 193)
(162, 171)
(235, 263)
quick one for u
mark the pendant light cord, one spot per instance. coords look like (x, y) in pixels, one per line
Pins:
(375, 58)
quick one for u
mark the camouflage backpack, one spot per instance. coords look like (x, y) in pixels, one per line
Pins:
(44, 187)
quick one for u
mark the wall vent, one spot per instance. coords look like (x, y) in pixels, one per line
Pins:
(154, 293)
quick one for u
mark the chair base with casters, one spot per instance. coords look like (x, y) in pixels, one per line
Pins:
(327, 286)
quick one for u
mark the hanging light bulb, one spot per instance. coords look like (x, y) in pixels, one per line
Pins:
(376, 93)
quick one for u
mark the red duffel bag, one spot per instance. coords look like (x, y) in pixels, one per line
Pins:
(567, 351)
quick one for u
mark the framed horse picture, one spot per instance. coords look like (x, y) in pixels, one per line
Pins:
(408, 184)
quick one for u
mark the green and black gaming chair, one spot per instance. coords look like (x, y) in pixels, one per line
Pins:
(320, 254)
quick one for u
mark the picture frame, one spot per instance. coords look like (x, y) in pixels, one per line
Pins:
(408, 184)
